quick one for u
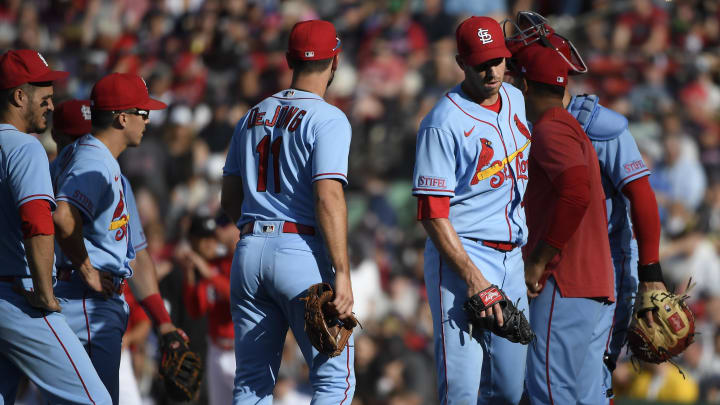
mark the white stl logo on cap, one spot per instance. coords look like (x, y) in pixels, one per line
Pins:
(484, 36)
(85, 110)
(43, 59)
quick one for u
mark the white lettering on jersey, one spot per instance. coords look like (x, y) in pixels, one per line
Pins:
(484, 36)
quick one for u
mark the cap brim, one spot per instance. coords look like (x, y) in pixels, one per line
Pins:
(479, 58)
(152, 104)
(50, 76)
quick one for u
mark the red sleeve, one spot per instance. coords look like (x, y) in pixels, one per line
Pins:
(645, 218)
(573, 199)
(195, 297)
(222, 285)
(36, 218)
(154, 306)
(432, 206)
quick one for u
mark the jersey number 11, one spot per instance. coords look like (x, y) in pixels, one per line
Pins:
(264, 149)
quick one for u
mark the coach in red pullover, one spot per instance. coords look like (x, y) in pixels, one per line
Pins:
(568, 269)
(206, 289)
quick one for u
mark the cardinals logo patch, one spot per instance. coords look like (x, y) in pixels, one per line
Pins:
(120, 219)
(486, 155)
(521, 127)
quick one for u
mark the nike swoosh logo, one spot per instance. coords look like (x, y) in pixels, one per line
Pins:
(467, 133)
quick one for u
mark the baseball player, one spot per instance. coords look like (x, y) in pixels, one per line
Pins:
(283, 187)
(567, 259)
(470, 177)
(628, 195)
(95, 232)
(35, 337)
(206, 289)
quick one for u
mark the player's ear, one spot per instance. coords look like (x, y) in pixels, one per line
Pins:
(289, 60)
(19, 97)
(460, 62)
(335, 62)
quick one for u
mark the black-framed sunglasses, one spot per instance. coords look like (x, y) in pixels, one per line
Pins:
(144, 114)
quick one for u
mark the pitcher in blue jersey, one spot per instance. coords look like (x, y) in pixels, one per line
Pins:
(35, 338)
(93, 221)
(283, 187)
(470, 177)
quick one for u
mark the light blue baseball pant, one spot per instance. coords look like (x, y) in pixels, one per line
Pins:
(626, 284)
(99, 323)
(565, 362)
(486, 369)
(271, 271)
(42, 346)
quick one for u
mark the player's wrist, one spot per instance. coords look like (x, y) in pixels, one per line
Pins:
(154, 306)
(650, 273)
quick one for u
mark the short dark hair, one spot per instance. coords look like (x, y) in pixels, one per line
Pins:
(309, 66)
(546, 89)
(101, 119)
(6, 95)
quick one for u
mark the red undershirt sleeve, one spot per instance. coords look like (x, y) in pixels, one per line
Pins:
(645, 218)
(573, 198)
(432, 206)
(36, 219)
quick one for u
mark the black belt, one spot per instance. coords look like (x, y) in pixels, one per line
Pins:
(65, 273)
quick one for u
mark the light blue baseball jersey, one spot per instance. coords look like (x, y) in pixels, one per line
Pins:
(620, 163)
(280, 147)
(24, 177)
(88, 177)
(479, 159)
(137, 235)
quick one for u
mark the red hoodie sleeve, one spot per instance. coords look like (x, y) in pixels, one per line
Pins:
(573, 192)
(645, 218)
(195, 297)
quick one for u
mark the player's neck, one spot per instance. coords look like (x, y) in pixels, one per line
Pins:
(15, 119)
(482, 99)
(313, 83)
(536, 106)
(113, 140)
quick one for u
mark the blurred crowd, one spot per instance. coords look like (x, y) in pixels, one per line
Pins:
(656, 62)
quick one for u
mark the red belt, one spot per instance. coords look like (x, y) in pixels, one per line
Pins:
(288, 227)
(501, 246)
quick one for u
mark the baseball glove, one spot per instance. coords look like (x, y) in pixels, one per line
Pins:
(180, 368)
(516, 327)
(673, 330)
(327, 333)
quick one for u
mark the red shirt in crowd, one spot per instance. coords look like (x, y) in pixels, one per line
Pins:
(212, 296)
(560, 147)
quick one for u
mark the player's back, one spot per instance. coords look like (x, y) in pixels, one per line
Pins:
(280, 147)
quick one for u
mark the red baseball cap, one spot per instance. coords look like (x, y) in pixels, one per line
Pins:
(122, 91)
(550, 64)
(480, 39)
(313, 40)
(72, 117)
(25, 66)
